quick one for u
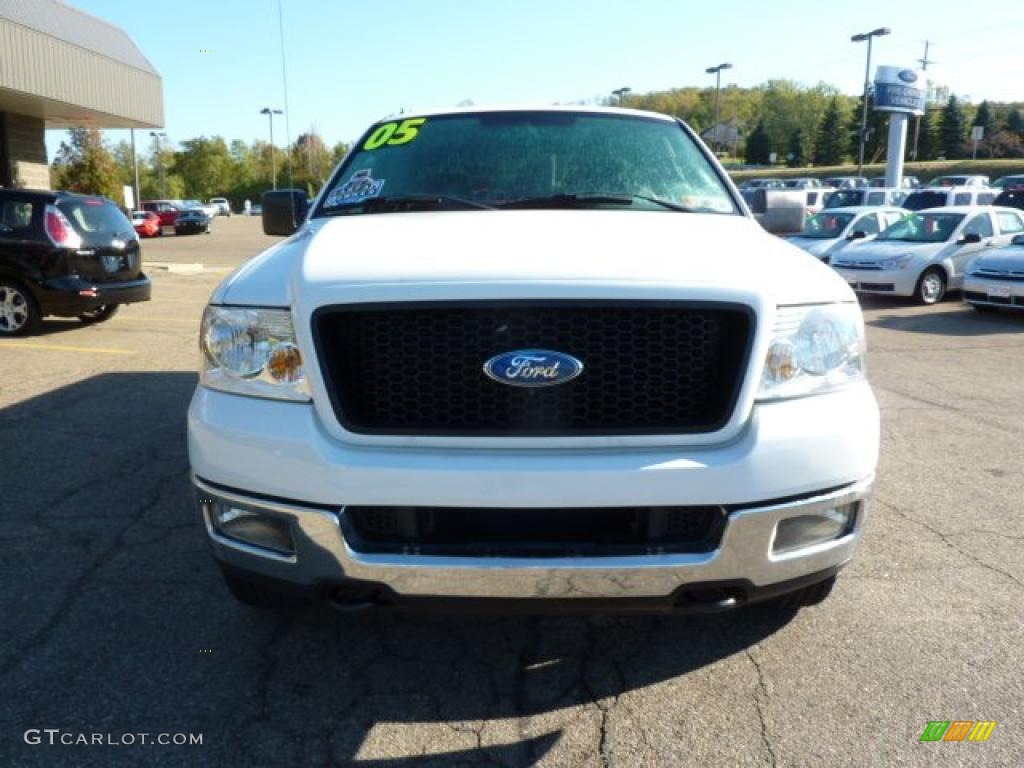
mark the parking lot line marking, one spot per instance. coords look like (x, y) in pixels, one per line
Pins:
(64, 348)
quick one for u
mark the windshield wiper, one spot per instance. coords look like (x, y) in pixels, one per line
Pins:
(583, 201)
(376, 204)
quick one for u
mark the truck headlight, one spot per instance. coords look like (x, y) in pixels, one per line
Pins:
(251, 351)
(815, 349)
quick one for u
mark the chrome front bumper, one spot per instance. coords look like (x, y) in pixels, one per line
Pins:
(322, 556)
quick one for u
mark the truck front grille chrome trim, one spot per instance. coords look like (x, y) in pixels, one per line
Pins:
(324, 555)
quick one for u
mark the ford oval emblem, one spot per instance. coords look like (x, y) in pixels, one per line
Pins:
(908, 76)
(533, 368)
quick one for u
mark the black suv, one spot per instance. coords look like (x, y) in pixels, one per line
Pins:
(65, 254)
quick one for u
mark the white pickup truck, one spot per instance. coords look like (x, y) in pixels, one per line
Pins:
(538, 358)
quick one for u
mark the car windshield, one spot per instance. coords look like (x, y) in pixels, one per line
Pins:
(523, 159)
(826, 226)
(923, 228)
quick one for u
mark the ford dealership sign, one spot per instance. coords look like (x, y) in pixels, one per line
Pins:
(898, 89)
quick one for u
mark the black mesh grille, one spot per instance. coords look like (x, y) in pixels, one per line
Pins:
(648, 367)
(496, 532)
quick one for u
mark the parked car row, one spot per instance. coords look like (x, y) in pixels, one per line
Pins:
(924, 254)
(775, 208)
(186, 216)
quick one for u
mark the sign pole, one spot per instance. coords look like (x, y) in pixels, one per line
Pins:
(898, 92)
(897, 150)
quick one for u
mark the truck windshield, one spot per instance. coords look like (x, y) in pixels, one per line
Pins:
(923, 228)
(524, 159)
(826, 226)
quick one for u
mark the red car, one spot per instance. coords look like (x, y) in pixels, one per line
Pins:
(167, 210)
(147, 224)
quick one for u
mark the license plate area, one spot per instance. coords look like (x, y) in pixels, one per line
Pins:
(998, 291)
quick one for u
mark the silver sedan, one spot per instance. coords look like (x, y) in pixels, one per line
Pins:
(996, 279)
(925, 254)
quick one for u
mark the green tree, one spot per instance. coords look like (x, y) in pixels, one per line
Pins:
(1015, 121)
(85, 164)
(985, 118)
(786, 106)
(830, 138)
(158, 179)
(122, 154)
(951, 129)
(311, 162)
(927, 142)
(759, 146)
(877, 131)
(338, 151)
(205, 166)
(796, 156)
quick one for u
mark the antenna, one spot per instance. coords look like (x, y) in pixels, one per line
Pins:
(287, 111)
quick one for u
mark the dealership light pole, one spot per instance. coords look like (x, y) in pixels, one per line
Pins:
(717, 72)
(157, 135)
(880, 32)
(136, 202)
(273, 162)
(621, 93)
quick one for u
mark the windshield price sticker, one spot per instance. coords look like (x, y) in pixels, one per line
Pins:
(395, 134)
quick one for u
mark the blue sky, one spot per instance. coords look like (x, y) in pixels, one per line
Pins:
(350, 63)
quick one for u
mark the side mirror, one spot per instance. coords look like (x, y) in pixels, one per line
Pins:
(1017, 240)
(284, 210)
(969, 238)
(856, 235)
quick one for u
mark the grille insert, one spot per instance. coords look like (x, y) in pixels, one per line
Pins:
(502, 532)
(649, 367)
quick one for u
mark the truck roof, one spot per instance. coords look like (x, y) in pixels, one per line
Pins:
(582, 109)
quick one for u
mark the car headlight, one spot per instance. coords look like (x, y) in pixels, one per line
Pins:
(251, 351)
(815, 349)
(896, 262)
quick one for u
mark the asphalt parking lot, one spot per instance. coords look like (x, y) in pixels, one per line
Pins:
(115, 619)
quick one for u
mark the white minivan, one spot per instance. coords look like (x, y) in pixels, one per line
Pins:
(943, 197)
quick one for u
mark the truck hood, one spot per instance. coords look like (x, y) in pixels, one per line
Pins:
(560, 247)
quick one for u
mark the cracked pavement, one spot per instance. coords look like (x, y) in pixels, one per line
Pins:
(109, 594)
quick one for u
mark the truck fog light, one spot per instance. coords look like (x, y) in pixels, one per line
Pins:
(807, 530)
(251, 527)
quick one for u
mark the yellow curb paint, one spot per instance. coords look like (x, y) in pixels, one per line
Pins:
(64, 348)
